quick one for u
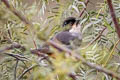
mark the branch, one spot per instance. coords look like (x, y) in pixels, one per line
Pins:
(27, 70)
(17, 13)
(111, 53)
(72, 76)
(21, 17)
(114, 17)
(78, 57)
(15, 71)
(99, 35)
(81, 13)
(17, 56)
(12, 46)
(42, 53)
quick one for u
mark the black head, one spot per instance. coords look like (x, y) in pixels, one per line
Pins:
(69, 21)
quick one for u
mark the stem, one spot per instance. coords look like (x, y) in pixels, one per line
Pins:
(80, 58)
(86, 3)
(27, 70)
(111, 53)
(15, 71)
(114, 17)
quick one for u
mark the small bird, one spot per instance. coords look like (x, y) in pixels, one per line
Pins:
(72, 35)
(69, 21)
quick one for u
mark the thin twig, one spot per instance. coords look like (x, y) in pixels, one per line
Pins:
(81, 13)
(115, 21)
(17, 56)
(42, 53)
(72, 76)
(99, 35)
(9, 33)
(27, 70)
(25, 65)
(15, 70)
(17, 13)
(111, 53)
(12, 46)
(78, 57)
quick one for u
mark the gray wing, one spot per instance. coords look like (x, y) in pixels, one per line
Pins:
(65, 37)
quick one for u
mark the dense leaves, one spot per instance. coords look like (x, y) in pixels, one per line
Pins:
(100, 44)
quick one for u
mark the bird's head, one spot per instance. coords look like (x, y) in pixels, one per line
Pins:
(69, 21)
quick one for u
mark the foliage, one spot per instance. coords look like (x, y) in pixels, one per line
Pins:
(47, 20)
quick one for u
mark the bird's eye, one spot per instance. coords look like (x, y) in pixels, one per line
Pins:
(65, 23)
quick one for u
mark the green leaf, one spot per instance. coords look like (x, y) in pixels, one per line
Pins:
(108, 25)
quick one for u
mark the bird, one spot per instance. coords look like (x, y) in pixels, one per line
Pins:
(70, 37)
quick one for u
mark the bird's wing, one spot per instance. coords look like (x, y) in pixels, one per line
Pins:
(64, 37)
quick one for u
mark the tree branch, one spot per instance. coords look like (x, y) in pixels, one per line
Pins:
(112, 12)
(12, 46)
(17, 56)
(86, 3)
(78, 57)
(17, 13)
(98, 36)
(15, 70)
(27, 70)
